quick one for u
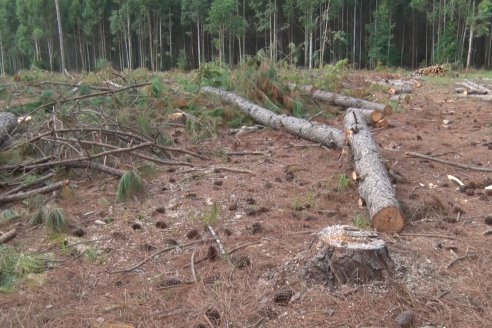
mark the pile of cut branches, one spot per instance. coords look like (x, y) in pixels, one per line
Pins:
(111, 131)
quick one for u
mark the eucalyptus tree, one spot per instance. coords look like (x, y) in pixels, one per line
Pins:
(195, 11)
(8, 27)
(380, 36)
(60, 35)
(220, 17)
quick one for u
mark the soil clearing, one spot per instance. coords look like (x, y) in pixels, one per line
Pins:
(443, 258)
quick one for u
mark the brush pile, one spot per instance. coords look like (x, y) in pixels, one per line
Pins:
(95, 130)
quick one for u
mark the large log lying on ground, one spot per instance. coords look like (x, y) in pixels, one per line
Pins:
(346, 254)
(374, 184)
(343, 101)
(471, 88)
(8, 122)
(312, 131)
(375, 187)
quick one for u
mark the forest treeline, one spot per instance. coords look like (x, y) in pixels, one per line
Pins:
(162, 34)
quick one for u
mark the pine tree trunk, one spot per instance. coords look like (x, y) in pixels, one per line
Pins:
(199, 43)
(60, 35)
(2, 59)
(470, 43)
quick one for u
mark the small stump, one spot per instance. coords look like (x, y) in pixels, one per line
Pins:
(346, 254)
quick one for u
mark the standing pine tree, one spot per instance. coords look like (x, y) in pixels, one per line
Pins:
(381, 48)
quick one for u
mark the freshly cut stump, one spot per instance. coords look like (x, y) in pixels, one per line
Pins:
(346, 254)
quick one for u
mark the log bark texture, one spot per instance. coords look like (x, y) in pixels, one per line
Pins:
(346, 254)
(401, 89)
(8, 236)
(471, 88)
(375, 186)
(341, 100)
(8, 122)
(323, 134)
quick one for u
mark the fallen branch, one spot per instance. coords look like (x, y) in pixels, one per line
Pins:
(217, 239)
(442, 161)
(24, 195)
(27, 185)
(228, 169)
(96, 166)
(426, 236)
(119, 133)
(312, 131)
(159, 252)
(104, 145)
(98, 155)
(459, 259)
(8, 236)
(193, 272)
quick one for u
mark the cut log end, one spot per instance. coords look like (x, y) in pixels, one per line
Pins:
(382, 124)
(346, 254)
(388, 110)
(388, 220)
(376, 116)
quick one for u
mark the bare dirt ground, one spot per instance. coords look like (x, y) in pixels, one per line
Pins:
(443, 258)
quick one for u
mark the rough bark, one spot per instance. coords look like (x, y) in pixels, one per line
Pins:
(402, 98)
(471, 88)
(8, 122)
(346, 254)
(8, 236)
(312, 131)
(341, 100)
(397, 90)
(375, 186)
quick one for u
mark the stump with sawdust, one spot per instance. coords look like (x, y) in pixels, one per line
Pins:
(348, 255)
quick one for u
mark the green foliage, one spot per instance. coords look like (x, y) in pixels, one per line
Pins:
(14, 266)
(343, 182)
(361, 222)
(381, 49)
(55, 220)
(157, 87)
(202, 127)
(131, 184)
(52, 217)
(102, 64)
(182, 60)
(212, 216)
(447, 46)
(214, 75)
(6, 216)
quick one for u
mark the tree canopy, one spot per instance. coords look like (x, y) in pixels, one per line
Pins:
(151, 33)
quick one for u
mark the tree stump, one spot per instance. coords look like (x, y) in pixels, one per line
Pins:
(346, 254)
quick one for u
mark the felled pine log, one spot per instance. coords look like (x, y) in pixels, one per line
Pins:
(311, 131)
(400, 89)
(342, 100)
(471, 88)
(375, 187)
(396, 87)
(8, 122)
(401, 98)
(374, 183)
